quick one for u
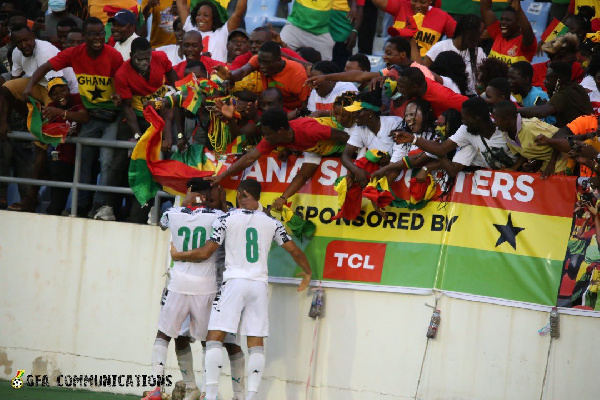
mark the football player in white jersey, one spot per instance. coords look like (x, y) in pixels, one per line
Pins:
(242, 300)
(192, 286)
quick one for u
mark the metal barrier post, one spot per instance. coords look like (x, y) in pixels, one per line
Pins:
(76, 177)
(155, 210)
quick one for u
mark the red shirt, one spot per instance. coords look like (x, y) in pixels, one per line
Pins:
(94, 75)
(435, 24)
(540, 70)
(439, 96)
(243, 59)
(131, 85)
(510, 51)
(291, 81)
(208, 62)
(307, 133)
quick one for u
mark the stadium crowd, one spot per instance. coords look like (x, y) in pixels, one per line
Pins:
(458, 92)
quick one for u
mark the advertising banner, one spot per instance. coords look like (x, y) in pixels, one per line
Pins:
(497, 235)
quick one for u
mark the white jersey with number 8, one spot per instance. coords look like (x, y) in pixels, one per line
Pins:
(247, 235)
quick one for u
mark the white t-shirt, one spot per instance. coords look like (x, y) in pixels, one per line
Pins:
(589, 84)
(450, 84)
(172, 52)
(400, 151)
(42, 52)
(318, 103)
(247, 235)
(447, 45)
(217, 40)
(473, 150)
(363, 138)
(190, 229)
(125, 47)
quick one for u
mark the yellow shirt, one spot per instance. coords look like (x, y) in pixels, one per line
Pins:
(530, 129)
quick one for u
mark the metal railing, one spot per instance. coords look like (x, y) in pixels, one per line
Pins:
(75, 185)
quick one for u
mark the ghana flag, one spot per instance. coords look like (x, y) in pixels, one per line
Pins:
(47, 132)
(554, 30)
(500, 237)
(147, 172)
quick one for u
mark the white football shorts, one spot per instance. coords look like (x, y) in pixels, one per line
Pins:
(241, 303)
(177, 307)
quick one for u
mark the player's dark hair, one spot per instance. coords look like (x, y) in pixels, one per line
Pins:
(252, 186)
(91, 21)
(272, 48)
(524, 68)
(509, 9)
(326, 67)
(275, 119)
(140, 44)
(594, 66)
(362, 60)
(401, 44)
(502, 86)
(476, 107)
(198, 185)
(216, 17)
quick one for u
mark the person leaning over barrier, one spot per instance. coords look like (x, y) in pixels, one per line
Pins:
(95, 65)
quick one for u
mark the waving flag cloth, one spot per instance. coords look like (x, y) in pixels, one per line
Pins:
(554, 30)
(147, 172)
(379, 192)
(300, 228)
(420, 193)
(47, 132)
(350, 196)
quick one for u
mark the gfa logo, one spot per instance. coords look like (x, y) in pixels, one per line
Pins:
(17, 382)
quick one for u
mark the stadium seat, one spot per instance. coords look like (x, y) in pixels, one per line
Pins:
(263, 12)
(537, 14)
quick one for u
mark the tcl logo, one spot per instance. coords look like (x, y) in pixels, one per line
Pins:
(354, 261)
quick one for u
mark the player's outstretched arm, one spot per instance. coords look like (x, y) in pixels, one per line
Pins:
(195, 255)
(300, 258)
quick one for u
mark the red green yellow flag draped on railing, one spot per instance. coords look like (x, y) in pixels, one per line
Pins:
(147, 172)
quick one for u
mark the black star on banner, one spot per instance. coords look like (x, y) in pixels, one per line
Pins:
(96, 93)
(508, 233)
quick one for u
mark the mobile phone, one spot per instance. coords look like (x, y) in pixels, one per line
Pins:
(571, 141)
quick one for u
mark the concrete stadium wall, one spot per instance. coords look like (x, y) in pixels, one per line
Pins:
(82, 297)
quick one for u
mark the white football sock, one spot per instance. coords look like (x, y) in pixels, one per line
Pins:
(214, 364)
(186, 366)
(237, 363)
(256, 365)
(159, 357)
(203, 389)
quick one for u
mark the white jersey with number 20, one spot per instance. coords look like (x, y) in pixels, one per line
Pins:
(247, 235)
(190, 228)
